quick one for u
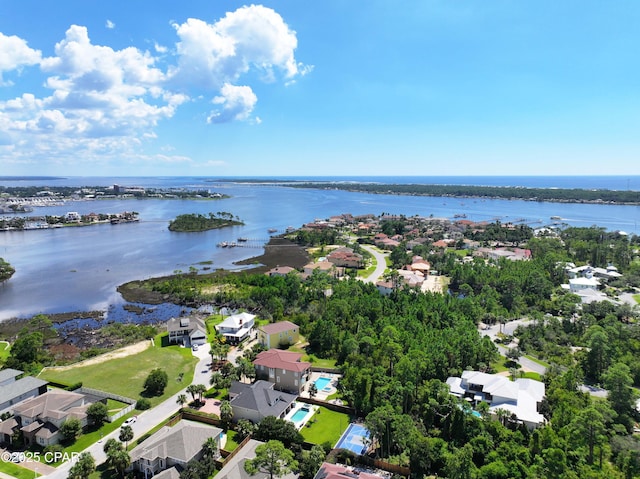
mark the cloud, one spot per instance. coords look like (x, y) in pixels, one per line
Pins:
(236, 102)
(15, 54)
(109, 24)
(102, 103)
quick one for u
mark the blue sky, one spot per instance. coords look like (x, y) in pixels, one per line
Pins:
(223, 88)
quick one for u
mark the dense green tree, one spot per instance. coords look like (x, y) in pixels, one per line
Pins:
(98, 413)
(118, 458)
(272, 428)
(273, 459)
(83, 467)
(311, 461)
(156, 381)
(70, 429)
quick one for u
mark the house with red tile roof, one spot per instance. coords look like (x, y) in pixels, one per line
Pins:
(280, 271)
(345, 257)
(283, 368)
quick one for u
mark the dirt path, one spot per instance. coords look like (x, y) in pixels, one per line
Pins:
(118, 353)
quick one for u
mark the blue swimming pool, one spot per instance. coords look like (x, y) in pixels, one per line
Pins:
(300, 414)
(322, 383)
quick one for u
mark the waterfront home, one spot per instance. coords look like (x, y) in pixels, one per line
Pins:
(339, 471)
(236, 328)
(283, 368)
(259, 400)
(320, 266)
(173, 447)
(39, 418)
(14, 391)
(282, 333)
(187, 331)
(345, 257)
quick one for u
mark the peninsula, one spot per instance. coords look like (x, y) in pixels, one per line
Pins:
(198, 222)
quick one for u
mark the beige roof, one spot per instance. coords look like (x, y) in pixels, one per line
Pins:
(54, 404)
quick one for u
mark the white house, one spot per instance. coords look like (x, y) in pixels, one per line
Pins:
(236, 328)
(521, 397)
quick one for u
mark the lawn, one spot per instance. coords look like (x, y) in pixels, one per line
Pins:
(17, 471)
(232, 441)
(5, 349)
(126, 376)
(637, 298)
(325, 426)
(312, 358)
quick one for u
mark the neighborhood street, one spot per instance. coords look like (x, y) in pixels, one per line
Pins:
(151, 418)
(381, 263)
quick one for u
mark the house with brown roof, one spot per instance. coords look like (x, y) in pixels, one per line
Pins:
(283, 333)
(39, 418)
(321, 267)
(280, 271)
(283, 368)
(173, 447)
(345, 257)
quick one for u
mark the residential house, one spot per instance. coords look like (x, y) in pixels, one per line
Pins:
(234, 467)
(339, 471)
(522, 397)
(188, 330)
(259, 400)
(385, 287)
(578, 284)
(345, 257)
(321, 267)
(39, 418)
(419, 264)
(283, 368)
(237, 328)
(172, 448)
(281, 333)
(280, 271)
(13, 391)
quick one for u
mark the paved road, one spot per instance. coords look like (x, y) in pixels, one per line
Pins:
(381, 263)
(151, 418)
(509, 328)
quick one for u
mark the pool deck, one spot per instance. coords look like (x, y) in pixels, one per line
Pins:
(325, 392)
(300, 424)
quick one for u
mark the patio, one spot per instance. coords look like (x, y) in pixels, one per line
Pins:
(325, 382)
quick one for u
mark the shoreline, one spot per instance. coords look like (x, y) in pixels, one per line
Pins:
(278, 251)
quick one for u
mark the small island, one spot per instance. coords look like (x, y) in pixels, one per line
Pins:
(6, 270)
(197, 222)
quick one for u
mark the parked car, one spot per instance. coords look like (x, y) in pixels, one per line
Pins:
(130, 421)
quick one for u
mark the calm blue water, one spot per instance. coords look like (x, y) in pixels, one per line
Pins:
(300, 414)
(321, 383)
(78, 269)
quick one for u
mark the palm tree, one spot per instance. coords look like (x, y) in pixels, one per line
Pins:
(126, 434)
(192, 389)
(182, 400)
(210, 449)
(200, 389)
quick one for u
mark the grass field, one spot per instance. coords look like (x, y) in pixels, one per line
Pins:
(5, 349)
(126, 376)
(17, 471)
(312, 358)
(637, 298)
(325, 426)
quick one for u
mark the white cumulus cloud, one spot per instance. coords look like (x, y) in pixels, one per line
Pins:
(15, 54)
(236, 103)
(102, 103)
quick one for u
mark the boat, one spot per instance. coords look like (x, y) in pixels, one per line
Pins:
(556, 217)
(273, 230)
(243, 240)
(224, 244)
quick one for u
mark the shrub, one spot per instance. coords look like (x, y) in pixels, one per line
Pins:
(143, 404)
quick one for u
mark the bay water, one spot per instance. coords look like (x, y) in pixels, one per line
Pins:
(78, 269)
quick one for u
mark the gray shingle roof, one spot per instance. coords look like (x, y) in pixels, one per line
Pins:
(19, 387)
(8, 374)
(181, 442)
(260, 396)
